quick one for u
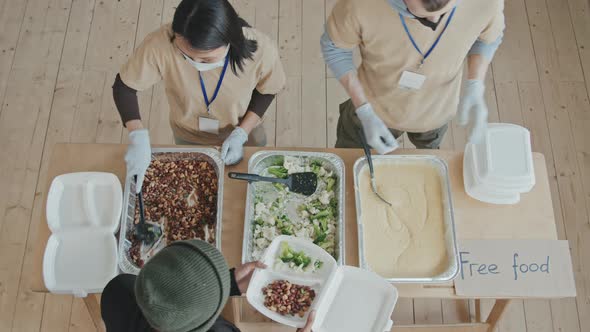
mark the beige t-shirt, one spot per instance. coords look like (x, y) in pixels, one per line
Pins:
(158, 59)
(387, 52)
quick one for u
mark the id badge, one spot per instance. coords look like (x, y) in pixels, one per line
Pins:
(208, 125)
(411, 80)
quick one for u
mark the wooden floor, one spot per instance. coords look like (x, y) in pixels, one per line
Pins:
(58, 59)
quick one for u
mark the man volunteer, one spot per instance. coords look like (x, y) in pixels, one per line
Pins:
(209, 103)
(412, 62)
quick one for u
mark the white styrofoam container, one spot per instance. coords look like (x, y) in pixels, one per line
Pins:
(504, 159)
(83, 212)
(478, 190)
(338, 290)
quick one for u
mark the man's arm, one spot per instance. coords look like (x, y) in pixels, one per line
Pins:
(479, 58)
(340, 61)
(477, 66)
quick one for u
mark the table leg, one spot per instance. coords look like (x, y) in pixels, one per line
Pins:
(478, 311)
(497, 310)
(92, 302)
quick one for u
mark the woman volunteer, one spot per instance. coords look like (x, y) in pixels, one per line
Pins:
(209, 102)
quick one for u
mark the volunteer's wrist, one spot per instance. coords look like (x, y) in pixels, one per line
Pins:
(246, 129)
(133, 125)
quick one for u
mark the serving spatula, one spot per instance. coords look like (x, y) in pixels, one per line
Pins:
(304, 183)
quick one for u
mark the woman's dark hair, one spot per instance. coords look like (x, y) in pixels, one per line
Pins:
(434, 5)
(210, 24)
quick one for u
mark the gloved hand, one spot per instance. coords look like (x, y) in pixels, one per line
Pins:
(232, 150)
(376, 132)
(138, 156)
(473, 110)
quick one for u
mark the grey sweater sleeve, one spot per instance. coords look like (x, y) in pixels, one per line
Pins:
(339, 60)
(487, 50)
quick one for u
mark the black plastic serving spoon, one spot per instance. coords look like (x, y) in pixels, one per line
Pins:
(146, 233)
(304, 183)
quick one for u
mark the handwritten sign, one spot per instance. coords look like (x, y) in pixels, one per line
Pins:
(515, 268)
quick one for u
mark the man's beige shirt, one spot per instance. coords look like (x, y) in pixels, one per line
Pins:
(158, 59)
(386, 51)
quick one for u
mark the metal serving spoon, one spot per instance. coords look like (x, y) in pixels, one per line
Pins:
(371, 169)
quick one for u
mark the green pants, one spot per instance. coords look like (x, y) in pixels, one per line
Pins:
(349, 126)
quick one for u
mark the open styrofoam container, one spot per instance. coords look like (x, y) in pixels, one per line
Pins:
(504, 159)
(83, 212)
(338, 292)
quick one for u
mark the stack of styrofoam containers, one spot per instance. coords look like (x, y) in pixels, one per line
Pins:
(83, 213)
(500, 167)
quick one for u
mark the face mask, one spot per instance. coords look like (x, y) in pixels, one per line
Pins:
(202, 66)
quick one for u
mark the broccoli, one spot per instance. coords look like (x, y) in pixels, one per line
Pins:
(258, 199)
(279, 187)
(323, 214)
(286, 253)
(259, 221)
(280, 172)
(287, 229)
(334, 203)
(316, 167)
(276, 205)
(279, 162)
(324, 224)
(318, 264)
(301, 208)
(299, 258)
(327, 246)
(319, 240)
(330, 184)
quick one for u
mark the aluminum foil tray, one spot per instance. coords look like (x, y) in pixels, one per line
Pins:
(260, 161)
(451, 242)
(129, 197)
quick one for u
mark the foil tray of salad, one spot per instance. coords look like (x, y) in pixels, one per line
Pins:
(272, 210)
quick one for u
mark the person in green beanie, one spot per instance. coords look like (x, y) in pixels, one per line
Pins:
(183, 288)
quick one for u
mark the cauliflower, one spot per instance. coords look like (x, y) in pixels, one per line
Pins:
(261, 209)
(293, 165)
(262, 242)
(325, 197)
(269, 233)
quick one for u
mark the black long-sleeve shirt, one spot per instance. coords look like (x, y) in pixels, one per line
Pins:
(128, 105)
(121, 313)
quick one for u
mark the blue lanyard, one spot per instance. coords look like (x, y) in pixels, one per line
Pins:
(204, 90)
(424, 56)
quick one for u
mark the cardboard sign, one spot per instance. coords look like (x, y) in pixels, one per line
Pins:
(515, 268)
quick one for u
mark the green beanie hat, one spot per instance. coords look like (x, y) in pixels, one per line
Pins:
(184, 287)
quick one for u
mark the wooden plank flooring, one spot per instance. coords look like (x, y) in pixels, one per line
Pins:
(58, 59)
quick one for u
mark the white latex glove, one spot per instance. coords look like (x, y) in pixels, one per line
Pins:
(232, 150)
(473, 110)
(138, 156)
(376, 132)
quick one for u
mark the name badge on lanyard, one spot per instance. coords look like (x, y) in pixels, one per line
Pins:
(209, 124)
(411, 80)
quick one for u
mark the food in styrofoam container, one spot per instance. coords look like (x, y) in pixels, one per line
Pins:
(300, 261)
(287, 298)
(336, 289)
